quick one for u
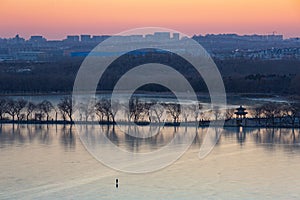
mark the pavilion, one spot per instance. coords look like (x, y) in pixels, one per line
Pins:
(241, 112)
(240, 115)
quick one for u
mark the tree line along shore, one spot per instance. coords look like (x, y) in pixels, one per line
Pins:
(104, 111)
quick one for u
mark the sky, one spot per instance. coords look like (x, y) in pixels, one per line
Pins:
(55, 19)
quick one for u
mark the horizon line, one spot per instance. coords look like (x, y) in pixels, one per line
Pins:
(80, 34)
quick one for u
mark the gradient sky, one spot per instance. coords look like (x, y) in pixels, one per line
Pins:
(57, 18)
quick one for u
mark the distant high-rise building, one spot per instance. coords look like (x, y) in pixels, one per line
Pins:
(162, 35)
(175, 36)
(37, 39)
(72, 38)
(99, 38)
(135, 38)
(85, 38)
(149, 37)
(275, 37)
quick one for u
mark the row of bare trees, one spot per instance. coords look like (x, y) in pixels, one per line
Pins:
(21, 109)
(103, 109)
(136, 111)
(272, 111)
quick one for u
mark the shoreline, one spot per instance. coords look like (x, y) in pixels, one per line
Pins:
(166, 124)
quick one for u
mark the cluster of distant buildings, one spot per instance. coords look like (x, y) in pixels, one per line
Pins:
(266, 54)
(160, 36)
(221, 46)
(39, 49)
(250, 47)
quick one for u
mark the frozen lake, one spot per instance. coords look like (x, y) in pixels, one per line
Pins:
(50, 162)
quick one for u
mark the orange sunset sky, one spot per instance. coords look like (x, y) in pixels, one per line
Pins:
(57, 18)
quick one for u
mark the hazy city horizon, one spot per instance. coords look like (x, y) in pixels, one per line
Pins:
(27, 37)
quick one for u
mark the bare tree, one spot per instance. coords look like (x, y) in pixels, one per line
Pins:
(174, 110)
(45, 107)
(257, 113)
(196, 110)
(20, 104)
(14, 107)
(56, 110)
(67, 107)
(156, 111)
(30, 108)
(284, 111)
(136, 109)
(202, 116)
(185, 112)
(3, 107)
(99, 110)
(217, 112)
(271, 110)
(108, 109)
(206, 115)
(87, 109)
(103, 107)
(229, 114)
(295, 112)
(114, 108)
(147, 110)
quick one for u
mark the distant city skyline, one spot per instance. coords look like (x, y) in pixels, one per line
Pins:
(220, 46)
(55, 19)
(95, 36)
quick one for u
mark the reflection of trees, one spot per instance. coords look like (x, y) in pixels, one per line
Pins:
(163, 137)
(110, 133)
(121, 138)
(239, 134)
(156, 140)
(24, 133)
(13, 133)
(136, 144)
(268, 136)
(198, 137)
(277, 136)
(19, 134)
(213, 134)
(68, 138)
(31, 131)
(133, 143)
(44, 135)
